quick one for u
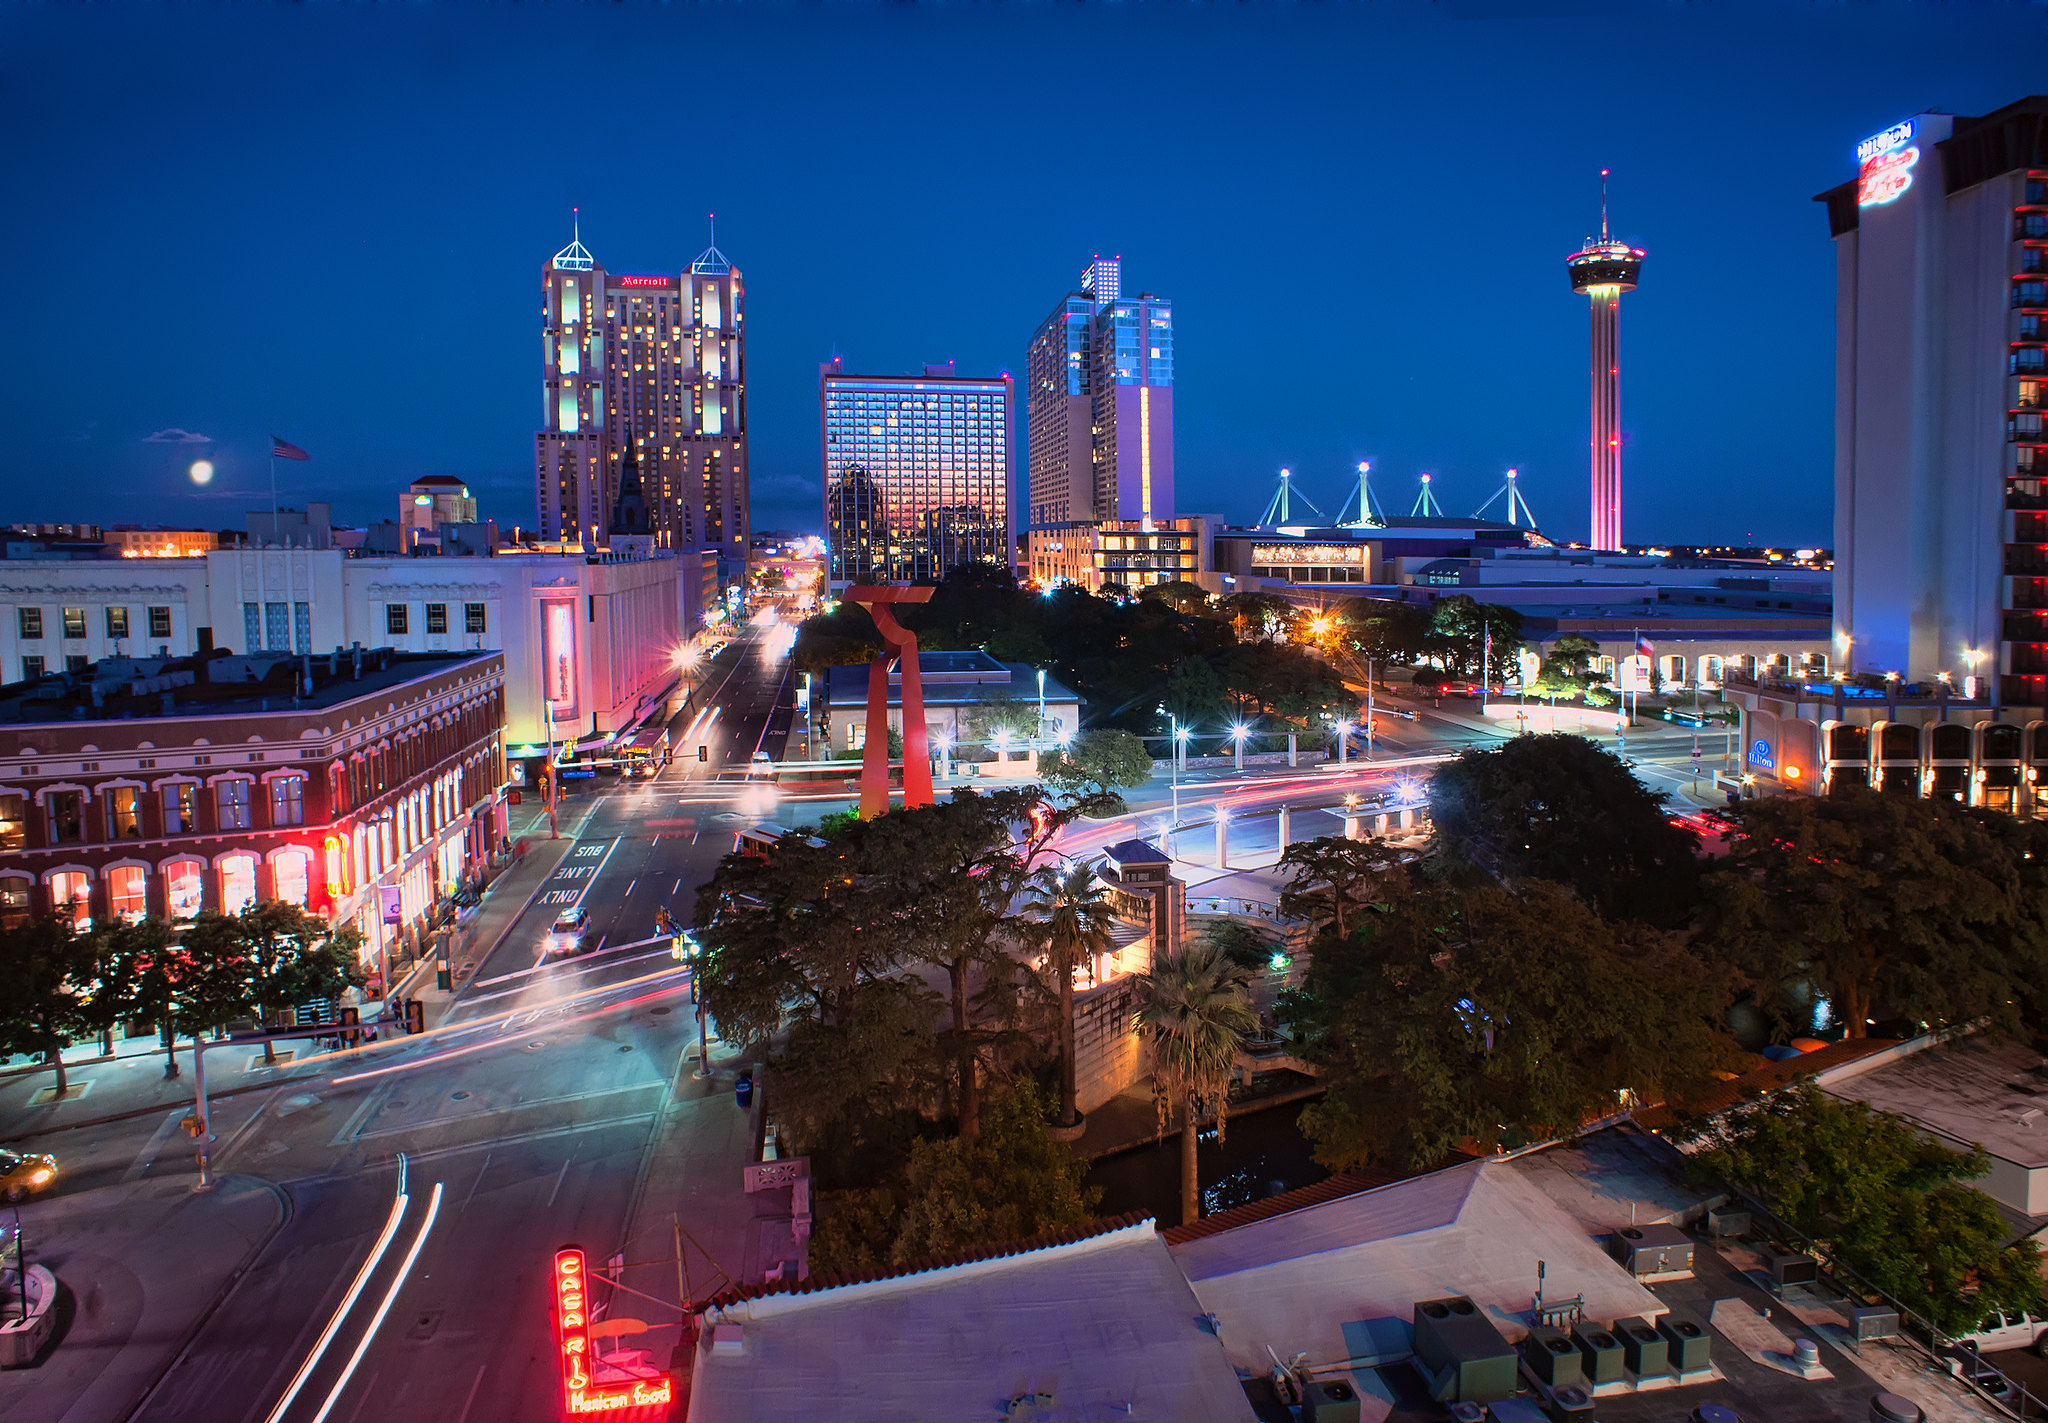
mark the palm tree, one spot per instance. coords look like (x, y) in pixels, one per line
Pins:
(1194, 1009)
(1074, 912)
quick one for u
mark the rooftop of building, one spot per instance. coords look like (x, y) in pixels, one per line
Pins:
(216, 684)
(1972, 1092)
(1096, 1325)
(950, 679)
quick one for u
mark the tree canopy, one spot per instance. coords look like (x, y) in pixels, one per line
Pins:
(1452, 1014)
(1559, 807)
(1894, 1204)
(1459, 629)
(1099, 762)
(1889, 906)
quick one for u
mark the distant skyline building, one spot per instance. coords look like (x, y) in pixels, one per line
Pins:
(1941, 381)
(1601, 271)
(916, 473)
(1099, 405)
(647, 369)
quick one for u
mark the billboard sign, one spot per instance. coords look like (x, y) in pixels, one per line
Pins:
(583, 1394)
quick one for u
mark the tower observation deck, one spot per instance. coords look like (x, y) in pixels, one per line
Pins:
(1602, 271)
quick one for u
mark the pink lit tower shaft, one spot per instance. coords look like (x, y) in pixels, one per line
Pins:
(1602, 271)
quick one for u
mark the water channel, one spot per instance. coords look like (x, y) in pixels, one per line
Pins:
(1263, 1154)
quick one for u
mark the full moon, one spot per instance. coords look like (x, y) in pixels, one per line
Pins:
(201, 471)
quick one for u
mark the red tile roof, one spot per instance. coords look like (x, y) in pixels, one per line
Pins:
(1767, 1078)
(1332, 1189)
(815, 1283)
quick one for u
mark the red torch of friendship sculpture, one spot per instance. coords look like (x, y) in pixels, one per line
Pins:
(902, 645)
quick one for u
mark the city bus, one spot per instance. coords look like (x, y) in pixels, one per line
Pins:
(646, 753)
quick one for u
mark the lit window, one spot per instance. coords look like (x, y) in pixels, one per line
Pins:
(231, 802)
(127, 892)
(123, 821)
(74, 622)
(31, 620)
(71, 899)
(181, 808)
(288, 800)
(14, 902)
(288, 875)
(237, 883)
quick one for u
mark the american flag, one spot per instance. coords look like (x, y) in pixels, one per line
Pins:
(286, 450)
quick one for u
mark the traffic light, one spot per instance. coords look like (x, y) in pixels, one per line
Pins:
(351, 1021)
(703, 753)
(191, 1123)
(415, 1015)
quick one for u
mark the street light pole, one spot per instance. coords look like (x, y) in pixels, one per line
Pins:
(1370, 721)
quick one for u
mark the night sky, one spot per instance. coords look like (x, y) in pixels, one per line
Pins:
(329, 222)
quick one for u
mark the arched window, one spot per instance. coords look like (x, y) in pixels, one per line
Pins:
(237, 883)
(14, 901)
(71, 898)
(184, 888)
(288, 876)
(128, 892)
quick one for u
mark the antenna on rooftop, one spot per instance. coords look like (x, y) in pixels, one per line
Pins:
(1425, 503)
(1518, 507)
(1281, 510)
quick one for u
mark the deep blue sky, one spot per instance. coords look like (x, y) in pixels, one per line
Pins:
(329, 221)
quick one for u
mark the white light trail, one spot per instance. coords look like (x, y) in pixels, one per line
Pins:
(347, 1303)
(390, 1298)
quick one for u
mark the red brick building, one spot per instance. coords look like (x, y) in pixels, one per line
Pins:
(169, 786)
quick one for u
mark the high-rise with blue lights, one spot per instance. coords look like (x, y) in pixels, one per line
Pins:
(1099, 405)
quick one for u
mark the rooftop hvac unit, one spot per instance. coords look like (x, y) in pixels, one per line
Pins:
(1329, 1401)
(1873, 1322)
(1517, 1410)
(1652, 1250)
(1462, 1354)
(1794, 1269)
(1725, 1221)
(1644, 1349)
(1571, 1404)
(1599, 1353)
(1690, 1345)
(1551, 1356)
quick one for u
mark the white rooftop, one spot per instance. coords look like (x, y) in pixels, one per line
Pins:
(1100, 1328)
(1340, 1280)
(1989, 1094)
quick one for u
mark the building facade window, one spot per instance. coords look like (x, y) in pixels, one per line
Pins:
(252, 627)
(159, 622)
(473, 618)
(67, 817)
(30, 621)
(124, 822)
(184, 888)
(14, 902)
(128, 893)
(288, 877)
(302, 627)
(237, 883)
(117, 622)
(71, 899)
(13, 821)
(288, 800)
(394, 619)
(437, 617)
(74, 622)
(75, 662)
(231, 805)
(31, 668)
(181, 809)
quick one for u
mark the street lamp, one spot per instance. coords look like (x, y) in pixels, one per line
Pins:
(1180, 741)
(1238, 732)
(1343, 743)
(1002, 748)
(1041, 705)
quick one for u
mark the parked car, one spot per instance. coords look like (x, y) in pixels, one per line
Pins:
(24, 1174)
(1998, 1330)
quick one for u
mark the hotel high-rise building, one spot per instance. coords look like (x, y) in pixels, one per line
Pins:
(647, 370)
(1941, 381)
(1099, 405)
(917, 473)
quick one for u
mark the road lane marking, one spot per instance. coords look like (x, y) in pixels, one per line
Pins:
(629, 888)
(468, 1403)
(347, 1303)
(675, 888)
(390, 1298)
(145, 1158)
(465, 1206)
(560, 1176)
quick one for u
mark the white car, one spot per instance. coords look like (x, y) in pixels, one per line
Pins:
(567, 935)
(760, 764)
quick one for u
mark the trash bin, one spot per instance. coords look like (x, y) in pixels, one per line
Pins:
(743, 1089)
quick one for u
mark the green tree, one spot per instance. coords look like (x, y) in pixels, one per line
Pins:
(1010, 1183)
(1183, 597)
(135, 969)
(278, 955)
(1101, 762)
(1072, 908)
(1567, 668)
(1384, 631)
(1454, 1015)
(46, 985)
(1256, 617)
(1194, 1012)
(1250, 946)
(1459, 627)
(1893, 1204)
(1886, 905)
(1559, 807)
(1194, 693)
(1330, 877)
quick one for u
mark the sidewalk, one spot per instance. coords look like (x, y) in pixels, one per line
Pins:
(143, 1264)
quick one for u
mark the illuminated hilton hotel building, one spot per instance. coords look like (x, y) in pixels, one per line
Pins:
(1941, 513)
(647, 369)
(917, 473)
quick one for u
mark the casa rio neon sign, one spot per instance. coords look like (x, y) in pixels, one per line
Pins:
(582, 1393)
(1886, 162)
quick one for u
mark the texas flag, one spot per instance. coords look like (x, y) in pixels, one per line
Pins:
(286, 450)
(1644, 646)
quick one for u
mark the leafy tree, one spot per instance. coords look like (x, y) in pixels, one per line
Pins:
(1887, 905)
(1100, 762)
(1010, 1183)
(1567, 668)
(1072, 907)
(1891, 1202)
(1000, 715)
(1194, 1012)
(1558, 807)
(1500, 1018)
(843, 636)
(1256, 617)
(1183, 597)
(1379, 629)
(1458, 631)
(136, 967)
(1330, 877)
(1249, 946)
(1194, 693)
(269, 957)
(46, 984)
(1278, 679)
